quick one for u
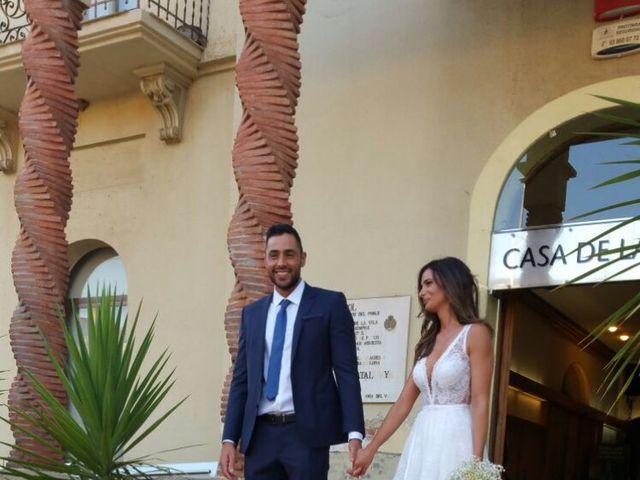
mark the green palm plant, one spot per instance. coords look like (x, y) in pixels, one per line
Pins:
(625, 364)
(114, 396)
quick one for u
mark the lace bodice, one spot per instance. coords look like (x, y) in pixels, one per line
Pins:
(450, 382)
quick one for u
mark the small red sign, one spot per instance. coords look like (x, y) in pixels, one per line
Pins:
(604, 10)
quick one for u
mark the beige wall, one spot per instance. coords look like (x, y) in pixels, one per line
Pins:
(223, 28)
(405, 110)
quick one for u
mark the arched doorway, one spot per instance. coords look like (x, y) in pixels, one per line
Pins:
(548, 421)
(575, 383)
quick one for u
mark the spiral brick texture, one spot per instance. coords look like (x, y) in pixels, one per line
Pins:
(43, 192)
(265, 153)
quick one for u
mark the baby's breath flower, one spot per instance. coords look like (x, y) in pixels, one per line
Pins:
(475, 469)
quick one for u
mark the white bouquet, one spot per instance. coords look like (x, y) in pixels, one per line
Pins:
(476, 469)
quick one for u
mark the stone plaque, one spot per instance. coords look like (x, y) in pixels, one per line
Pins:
(382, 329)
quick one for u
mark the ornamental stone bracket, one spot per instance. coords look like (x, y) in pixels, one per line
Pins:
(7, 155)
(167, 90)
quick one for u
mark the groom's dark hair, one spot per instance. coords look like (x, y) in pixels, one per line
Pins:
(282, 229)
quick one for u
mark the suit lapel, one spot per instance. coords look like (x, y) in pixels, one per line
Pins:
(306, 306)
(261, 331)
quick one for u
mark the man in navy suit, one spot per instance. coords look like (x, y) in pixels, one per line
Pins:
(295, 389)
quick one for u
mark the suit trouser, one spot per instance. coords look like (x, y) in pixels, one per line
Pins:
(278, 453)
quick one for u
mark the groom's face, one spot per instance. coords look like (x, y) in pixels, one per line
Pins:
(284, 261)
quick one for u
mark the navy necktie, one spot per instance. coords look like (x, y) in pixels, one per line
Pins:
(277, 345)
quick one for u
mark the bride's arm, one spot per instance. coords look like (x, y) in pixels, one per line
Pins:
(396, 415)
(480, 348)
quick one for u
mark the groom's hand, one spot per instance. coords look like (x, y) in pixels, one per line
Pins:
(228, 460)
(362, 462)
(354, 446)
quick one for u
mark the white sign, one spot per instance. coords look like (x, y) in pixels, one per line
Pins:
(552, 256)
(616, 39)
(382, 330)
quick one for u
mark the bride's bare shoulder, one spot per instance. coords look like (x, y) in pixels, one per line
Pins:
(480, 336)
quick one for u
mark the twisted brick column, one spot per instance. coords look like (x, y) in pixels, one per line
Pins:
(265, 153)
(43, 191)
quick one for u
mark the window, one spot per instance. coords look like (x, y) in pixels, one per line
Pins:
(99, 268)
(554, 186)
(106, 8)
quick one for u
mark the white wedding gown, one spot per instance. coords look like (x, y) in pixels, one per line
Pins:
(440, 438)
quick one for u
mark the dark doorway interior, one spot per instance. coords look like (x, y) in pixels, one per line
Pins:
(548, 429)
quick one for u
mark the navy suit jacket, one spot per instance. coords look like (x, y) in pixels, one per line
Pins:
(324, 371)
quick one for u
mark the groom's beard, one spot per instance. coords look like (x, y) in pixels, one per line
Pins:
(287, 284)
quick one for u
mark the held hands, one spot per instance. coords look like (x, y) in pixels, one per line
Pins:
(363, 459)
(228, 460)
(354, 447)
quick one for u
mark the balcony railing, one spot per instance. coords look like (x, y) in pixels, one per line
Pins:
(14, 24)
(189, 17)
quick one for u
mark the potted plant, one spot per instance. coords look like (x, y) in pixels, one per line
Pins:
(114, 391)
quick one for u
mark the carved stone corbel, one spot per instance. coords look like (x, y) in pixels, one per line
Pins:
(7, 157)
(167, 90)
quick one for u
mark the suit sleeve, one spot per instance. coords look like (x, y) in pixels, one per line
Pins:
(237, 390)
(345, 365)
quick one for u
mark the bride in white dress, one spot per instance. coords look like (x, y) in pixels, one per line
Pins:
(452, 371)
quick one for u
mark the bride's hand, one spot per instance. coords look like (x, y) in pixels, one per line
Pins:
(362, 462)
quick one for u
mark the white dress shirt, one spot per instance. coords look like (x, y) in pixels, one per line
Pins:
(283, 403)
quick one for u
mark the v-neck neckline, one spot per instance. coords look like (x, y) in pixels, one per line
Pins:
(446, 350)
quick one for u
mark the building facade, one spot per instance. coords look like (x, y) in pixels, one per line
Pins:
(411, 120)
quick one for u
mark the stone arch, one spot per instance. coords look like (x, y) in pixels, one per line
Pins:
(80, 248)
(487, 189)
(85, 256)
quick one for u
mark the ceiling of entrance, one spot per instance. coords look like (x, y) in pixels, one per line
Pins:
(588, 305)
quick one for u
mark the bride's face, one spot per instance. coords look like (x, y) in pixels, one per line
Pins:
(432, 295)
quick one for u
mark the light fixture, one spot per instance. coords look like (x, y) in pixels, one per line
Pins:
(531, 396)
(613, 328)
(624, 337)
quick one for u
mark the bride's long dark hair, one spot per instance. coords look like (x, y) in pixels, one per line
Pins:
(459, 285)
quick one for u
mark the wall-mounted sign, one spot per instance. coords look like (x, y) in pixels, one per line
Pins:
(382, 329)
(552, 256)
(616, 39)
